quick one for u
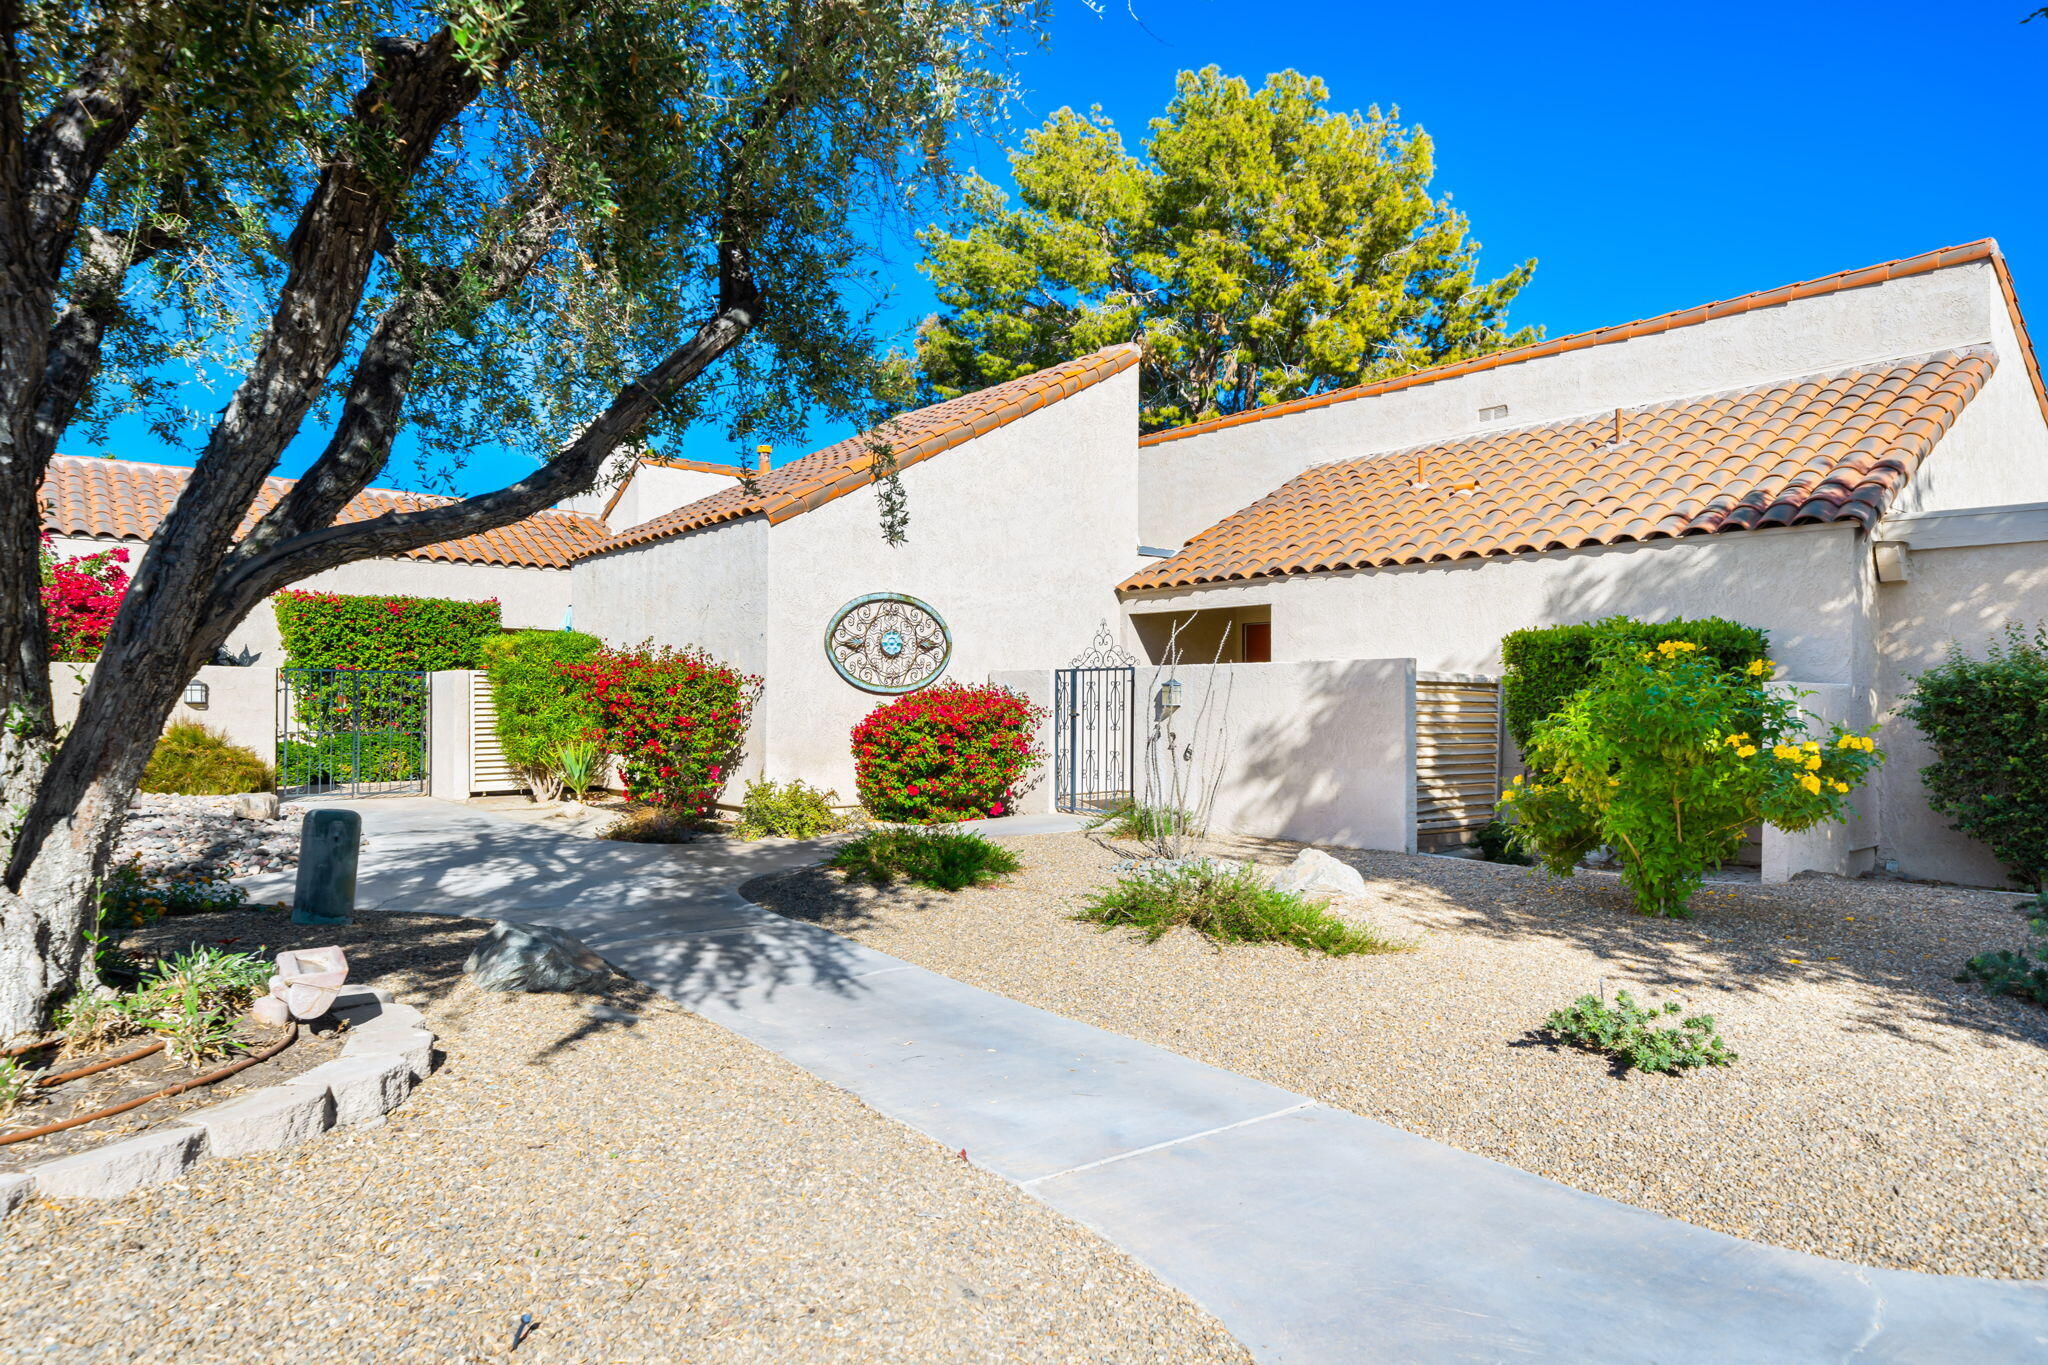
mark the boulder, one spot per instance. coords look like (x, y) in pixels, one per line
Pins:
(1314, 873)
(256, 806)
(533, 957)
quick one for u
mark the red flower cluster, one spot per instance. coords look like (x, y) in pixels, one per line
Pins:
(80, 597)
(951, 752)
(677, 719)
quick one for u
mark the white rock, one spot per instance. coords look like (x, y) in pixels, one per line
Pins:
(362, 1087)
(256, 806)
(264, 1120)
(1315, 873)
(118, 1167)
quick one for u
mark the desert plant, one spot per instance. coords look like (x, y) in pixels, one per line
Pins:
(1544, 668)
(677, 719)
(15, 1080)
(577, 765)
(942, 859)
(1988, 722)
(653, 825)
(1146, 824)
(539, 707)
(1230, 904)
(951, 752)
(91, 1020)
(2012, 971)
(1668, 758)
(1638, 1036)
(193, 760)
(787, 810)
(191, 1000)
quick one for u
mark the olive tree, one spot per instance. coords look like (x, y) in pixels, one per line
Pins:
(555, 224)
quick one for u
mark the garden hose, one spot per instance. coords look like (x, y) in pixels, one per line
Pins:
(167, 1092)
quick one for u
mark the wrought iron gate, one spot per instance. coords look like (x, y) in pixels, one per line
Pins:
(1095, 721)
(351, 732)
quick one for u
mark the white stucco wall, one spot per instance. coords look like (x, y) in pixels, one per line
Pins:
(1997, 450)
(241, 703)
(650, 491)
(1802, 584)
(1191, 483)
(1017, 539)
(1965, 596)
(529, 599)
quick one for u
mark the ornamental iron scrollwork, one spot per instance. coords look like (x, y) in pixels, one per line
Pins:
(1103, 652)
(888, 642)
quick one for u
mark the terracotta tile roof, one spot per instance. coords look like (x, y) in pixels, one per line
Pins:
(127, 500)
(1966, 254)
(837, 470)
(1823, 448)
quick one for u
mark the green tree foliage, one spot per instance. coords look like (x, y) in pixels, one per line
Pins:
(378, 631)
(1988, 722)
(540, 708)
(1543, 668)
(1265, 247)
(1667, 758)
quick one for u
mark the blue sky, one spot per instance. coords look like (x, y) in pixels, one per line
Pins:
(1650, 157)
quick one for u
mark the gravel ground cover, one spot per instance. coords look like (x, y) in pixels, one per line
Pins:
(181, 833)
(1880, 1111)
(645, 1184)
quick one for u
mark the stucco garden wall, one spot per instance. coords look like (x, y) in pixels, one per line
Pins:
(1965, 596)
(529, 599)
(1017, 539)
(1804, 585)
(241, 703)
(1191, 483)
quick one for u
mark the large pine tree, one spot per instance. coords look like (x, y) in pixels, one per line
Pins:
(1264, 248)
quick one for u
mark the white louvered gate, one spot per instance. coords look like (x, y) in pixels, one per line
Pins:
(1457, 756)
(488, 770)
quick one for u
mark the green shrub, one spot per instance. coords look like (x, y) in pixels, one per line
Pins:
(1498, 842)
(787, 810)
(1636, 1036)
(654, 825)
(677, 719)
(338, 759)
(2012, 972)
(1229, 905)
(1668, 758)
(14, 1083)
(951, 752)
(540, 708)
(131, 897)
(191, 1001)
(382, 631)
(1988, 722)
(942, 859)
(191, 760)
(1543, 669)
(1137, 821)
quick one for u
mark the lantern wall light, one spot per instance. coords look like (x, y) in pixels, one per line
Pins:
(196, 693)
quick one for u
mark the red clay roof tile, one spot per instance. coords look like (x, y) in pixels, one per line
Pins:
(128, 499)
(837, 470)
(1823, 448)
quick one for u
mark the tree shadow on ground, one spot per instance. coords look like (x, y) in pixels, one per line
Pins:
(1896, 947)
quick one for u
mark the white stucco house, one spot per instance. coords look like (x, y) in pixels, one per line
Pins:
(1858, 464)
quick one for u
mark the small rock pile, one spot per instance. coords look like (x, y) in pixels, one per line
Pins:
(191, 833)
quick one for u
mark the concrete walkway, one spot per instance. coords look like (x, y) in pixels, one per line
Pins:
(1313, 1234)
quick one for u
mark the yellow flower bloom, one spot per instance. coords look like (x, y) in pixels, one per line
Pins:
(1784, 752)
(1746, 751)
(1841, 786)
(1811, 783)
(1848, 742)
(1811, 746)
(1812, 764)
(1508, 795)
(1758, 668)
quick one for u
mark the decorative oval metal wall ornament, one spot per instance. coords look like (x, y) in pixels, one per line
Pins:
(888, 642)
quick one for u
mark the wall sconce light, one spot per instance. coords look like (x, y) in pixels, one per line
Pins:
(196, 693)
(1169, 696)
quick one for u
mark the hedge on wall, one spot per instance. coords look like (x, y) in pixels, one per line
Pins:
(951, 752)
(346, 630)
(1988, 722)
(540, 707)
(81, 596)
(1543, 669)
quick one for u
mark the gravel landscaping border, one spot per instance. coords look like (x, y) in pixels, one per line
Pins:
(1881, 1112)
(389, 1049)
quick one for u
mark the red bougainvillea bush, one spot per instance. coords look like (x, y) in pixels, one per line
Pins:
(80, 597)
(677, 719)
(951, 752)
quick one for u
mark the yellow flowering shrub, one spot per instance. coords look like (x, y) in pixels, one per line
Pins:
(1667, 758)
